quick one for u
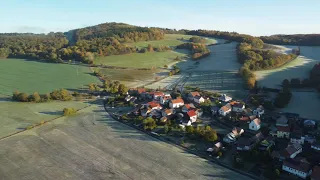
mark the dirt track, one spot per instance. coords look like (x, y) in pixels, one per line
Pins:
(92, 146)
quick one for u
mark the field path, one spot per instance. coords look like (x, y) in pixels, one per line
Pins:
(93, 146)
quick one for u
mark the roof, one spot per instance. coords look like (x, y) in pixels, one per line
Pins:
(197, 97)
(225, 108)
(189, 106)
(176, 101)
(168, 111)
(315, 173)
(141, 90)
(292, 148)
(282, 120)
(283, 128)
(298, 165)
(244, 118)
(215, 108)
(153, 104)
(191, 113)
(195, 93)
(167, 96)
(309, 122)
(296, 135)
(218, 144)
(225, 98)
(158, 93)
(257, 121)
(238, 105)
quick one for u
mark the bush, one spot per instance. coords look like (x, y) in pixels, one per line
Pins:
(149, 123)
(69, 111)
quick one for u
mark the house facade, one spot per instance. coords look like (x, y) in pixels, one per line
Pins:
(225, 98)
(283, 132)
(255, 124)
(237, 107)
(297, 168)
(193, 116)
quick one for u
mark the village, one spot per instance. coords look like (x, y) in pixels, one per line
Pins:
(241, 135)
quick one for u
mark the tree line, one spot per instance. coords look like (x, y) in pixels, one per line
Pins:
(59, 94)
(198, 50)
(297, 39)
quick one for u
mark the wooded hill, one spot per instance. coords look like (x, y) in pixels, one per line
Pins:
(296, 39)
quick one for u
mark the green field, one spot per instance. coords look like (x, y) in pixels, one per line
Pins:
(32, 76)
(141, 60)
(16, 116)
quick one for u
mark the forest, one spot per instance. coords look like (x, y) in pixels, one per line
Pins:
(198, 50)
(297, 39)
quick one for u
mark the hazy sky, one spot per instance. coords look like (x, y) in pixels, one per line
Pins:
(255, 17)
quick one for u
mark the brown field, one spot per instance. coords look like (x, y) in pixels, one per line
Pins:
(93, 146)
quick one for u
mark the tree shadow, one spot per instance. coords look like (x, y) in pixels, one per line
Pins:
(51, 112)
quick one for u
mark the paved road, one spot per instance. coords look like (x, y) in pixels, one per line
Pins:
(93, 146)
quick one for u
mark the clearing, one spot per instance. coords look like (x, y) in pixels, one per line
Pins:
(35, 76)
(16, 116)
(93, 146)
(298, 68)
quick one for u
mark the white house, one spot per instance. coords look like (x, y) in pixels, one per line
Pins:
(255, 124)
(176, 103)
(259, 111)
(283, 131)
(225, 98)
(164, 99)
(300, 168)
(224, 110)
(293, 150)
(198, 99)
(315, 146)
(156, 95)
(192, 95)
(237, 106)
(193, 116)
(297, 138)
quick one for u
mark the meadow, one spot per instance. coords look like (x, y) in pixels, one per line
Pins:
(16, 116)
(298, 68)
(34, 76)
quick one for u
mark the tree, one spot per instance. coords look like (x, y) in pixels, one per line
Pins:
(285, 83)
(35, 97)
(69, 111)
(189, 130)
(166, 129)
(150, 48)
(149, 123)
(23, 97)
(15, 96)
(92, 87)
(165, 66)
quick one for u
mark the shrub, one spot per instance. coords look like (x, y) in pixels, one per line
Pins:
(69, 111)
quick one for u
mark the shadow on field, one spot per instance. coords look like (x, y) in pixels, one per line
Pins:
(51, 112)
(6, 99)
(84, 89)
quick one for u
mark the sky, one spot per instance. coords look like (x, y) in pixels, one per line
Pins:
(254, 17)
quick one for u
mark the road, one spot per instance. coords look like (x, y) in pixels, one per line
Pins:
(93, 146)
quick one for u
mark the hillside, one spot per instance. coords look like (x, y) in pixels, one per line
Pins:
(296, 39)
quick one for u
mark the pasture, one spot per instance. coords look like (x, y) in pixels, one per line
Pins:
(35, 76)
(169, 40)
(90, 145)
(141, 60)
(16, 116)
(298, 68)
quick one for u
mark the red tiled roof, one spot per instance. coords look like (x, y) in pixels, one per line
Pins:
(191, 113)
(195, 94)
(176, 101)
(257, 121)
(158, 93)
(153, 104)
(283, 128)
(315, 173)
(245, 118)
(225, 108)
(141, 90)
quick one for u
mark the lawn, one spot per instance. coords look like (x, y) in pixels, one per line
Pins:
(298, 68)
(16, 116)
(141, 60)
(169, 40)
(33, 76)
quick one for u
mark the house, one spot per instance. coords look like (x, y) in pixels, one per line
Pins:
(282, 121)
(315, 146)
(297, 167)
(309, 123)
(255, 124)
(224, 110)
(259, 111)
(245, 144)
(198, 99)
(164, 99)
(188, 107)
(247, 112)
(167, 112)
(145, 112)
(164, 119)
(229, 138)
(225, 98)
(192, 95)
(237, 106)
(154, 105)
(283, 132)
(192, 115)
(155, 113)
(315, 175)
(141, 90)
(279, 155)
(237, 131)
(266, 144)
(136, 110)
(199, 112)
(127, 98)
(296, 138)
(293, 150)
(214, 110)
(156, 95)
(176, 103)
(216, 148)
(185, 121)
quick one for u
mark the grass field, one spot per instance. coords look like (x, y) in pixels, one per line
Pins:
(93, 146)
(32, 76)
(298, 68)
(169, 40)
(141, 60)
(16, 116)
